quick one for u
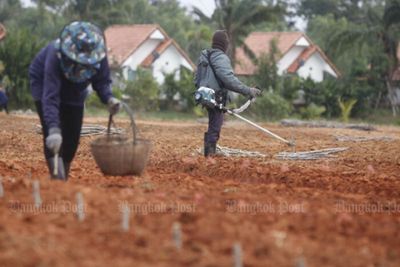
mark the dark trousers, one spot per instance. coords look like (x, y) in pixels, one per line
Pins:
(4, 106)
(215, 120)
(71, 123)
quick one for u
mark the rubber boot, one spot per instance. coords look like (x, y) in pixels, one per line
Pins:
(209, 148)
(67, 166)
(60, 171)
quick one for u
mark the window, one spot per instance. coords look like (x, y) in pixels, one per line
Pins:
(131, 74)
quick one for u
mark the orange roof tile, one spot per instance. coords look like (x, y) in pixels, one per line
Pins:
(260, 43)
(159, 49)
(123, 40)
(3, 31)
(306, 54)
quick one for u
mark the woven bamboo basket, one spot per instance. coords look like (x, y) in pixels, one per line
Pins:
(119, 155)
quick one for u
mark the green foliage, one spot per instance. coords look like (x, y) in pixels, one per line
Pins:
(183, 87)
(312, 111)
(354, 10)
(93, 100)
(271, 106)
(144, 91)
(346, 107)
(198, 38)
(266, 76)
(16, 53)
(239, 17)
(377, 27)
(267, 70)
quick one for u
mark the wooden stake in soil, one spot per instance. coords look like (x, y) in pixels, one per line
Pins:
(36, 194)
(237, 255)
(1, 187)
(177, 235)
(80, 207)
(300, 263)
(125, 218)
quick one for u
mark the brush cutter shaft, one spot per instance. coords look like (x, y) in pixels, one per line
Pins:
(259, 127)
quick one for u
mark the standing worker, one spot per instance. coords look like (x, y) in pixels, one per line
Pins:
(3, 100)
(214, 70)
(59, 77)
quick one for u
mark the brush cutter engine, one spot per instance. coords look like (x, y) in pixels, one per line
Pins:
(206, 97)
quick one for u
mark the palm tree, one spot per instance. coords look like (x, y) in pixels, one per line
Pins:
(378, 29)
(238, 17)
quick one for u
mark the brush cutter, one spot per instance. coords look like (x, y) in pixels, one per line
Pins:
(206, 97)
(235, 112)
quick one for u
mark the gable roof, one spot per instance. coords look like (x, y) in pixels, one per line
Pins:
(161, 48)
(260, 43)
(306, 54)
(123, 40)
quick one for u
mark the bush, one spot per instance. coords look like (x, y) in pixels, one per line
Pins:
(346, 108)
(271, 106)
(312, 111)
(94, 101)
(184, 87)
(16, 53)
(143, 92)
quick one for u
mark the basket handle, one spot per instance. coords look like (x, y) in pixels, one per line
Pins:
(109, 124)
(133, 124)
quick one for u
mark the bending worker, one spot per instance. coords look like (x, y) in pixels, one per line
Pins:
(59, 77)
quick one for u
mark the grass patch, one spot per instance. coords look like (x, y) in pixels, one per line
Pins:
(380, 116)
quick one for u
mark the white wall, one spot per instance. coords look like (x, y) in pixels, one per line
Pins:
(289, 58)
(141, 53)
(314, 68)
(169, 61)
(329, 70)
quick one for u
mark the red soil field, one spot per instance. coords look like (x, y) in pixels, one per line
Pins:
(339, 211)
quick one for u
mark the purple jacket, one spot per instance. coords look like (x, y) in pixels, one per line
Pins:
(49, 85)
(3, 99)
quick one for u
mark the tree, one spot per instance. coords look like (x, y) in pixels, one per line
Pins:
(16, 53)
(352, 10)
(378, 30)
(143, 91)
(239, 17)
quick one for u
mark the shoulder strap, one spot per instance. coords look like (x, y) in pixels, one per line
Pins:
(212, 67)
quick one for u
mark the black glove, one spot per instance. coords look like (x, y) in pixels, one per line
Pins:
(254, 92)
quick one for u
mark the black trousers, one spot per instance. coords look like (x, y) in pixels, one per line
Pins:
(215, 121)
(4, 107)
(71, 124)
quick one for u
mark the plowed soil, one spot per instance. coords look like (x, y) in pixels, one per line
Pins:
(340, 211)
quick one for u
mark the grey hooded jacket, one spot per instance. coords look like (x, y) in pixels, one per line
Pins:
(223, 70)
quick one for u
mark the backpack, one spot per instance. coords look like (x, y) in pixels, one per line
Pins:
(202, 70)
(202, 94)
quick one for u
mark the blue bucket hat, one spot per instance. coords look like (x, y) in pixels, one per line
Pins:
(83, 43)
